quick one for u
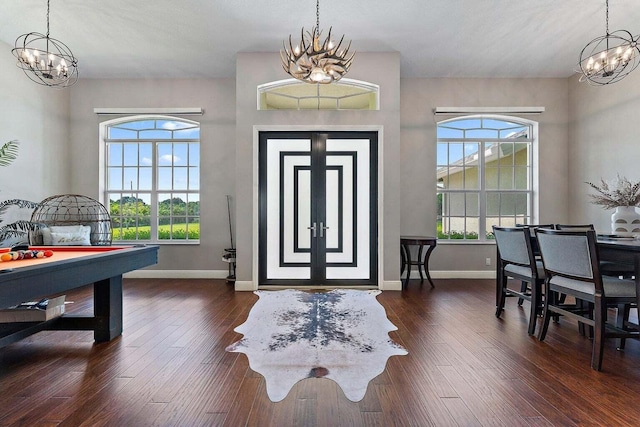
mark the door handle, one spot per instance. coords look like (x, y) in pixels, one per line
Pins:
(322, 228)
(314, 229)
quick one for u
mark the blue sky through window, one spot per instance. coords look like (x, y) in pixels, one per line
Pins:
(130, 162)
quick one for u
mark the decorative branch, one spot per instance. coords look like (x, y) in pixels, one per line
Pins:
(622, 192)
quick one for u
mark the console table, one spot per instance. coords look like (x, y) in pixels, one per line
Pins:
(407, 262)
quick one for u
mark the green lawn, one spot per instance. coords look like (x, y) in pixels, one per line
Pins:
(164, 232)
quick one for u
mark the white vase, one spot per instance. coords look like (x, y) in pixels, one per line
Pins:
(625, 221)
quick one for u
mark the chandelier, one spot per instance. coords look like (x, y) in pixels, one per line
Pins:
(609, 58)
(313, 61)
(45, 60)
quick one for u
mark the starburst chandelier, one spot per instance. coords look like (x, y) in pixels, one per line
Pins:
(610, 58)
(45, 60)
(313, 61)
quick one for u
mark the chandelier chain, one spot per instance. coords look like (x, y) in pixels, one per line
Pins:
(607, 12)
(318, 13)
(48, 18)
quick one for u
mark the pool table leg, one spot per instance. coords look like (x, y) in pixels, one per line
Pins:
(107, 308)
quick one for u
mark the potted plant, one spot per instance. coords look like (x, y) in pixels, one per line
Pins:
(622, 195)
(17, 231)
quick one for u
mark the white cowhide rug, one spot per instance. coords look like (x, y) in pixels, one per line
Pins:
(342, 335)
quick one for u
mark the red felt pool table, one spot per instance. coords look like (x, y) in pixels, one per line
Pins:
(68, 268)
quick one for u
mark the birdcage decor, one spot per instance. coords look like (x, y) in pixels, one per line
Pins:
(72, 210)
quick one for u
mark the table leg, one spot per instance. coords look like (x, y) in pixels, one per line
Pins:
(420, 265)
(107, 308)
(408, 264)
(426, 264)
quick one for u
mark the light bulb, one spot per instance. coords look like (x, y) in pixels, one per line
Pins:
(317, 74)
(296, 50)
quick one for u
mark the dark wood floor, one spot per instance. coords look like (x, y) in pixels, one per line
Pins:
(170, 368)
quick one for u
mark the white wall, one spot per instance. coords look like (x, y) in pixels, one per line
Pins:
(38, 117)
(604, 142)
(419, 96)
(217, 130)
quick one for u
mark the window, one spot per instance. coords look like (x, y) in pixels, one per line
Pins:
(345, 94)
(484, 175)
(152, 179)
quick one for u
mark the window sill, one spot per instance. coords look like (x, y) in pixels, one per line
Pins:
(157, 242)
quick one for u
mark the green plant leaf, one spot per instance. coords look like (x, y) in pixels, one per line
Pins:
(8, 153)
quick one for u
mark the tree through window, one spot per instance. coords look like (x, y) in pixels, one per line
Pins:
(152, 179)
(484, 175)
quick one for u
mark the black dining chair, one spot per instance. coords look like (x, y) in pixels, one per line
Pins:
(572, 268)
(607, 268)
(516, 260)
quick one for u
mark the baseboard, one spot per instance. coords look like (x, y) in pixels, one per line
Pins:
(387, 285)
(245, 285)
(392, 285)
(458, 274)
(177, 274)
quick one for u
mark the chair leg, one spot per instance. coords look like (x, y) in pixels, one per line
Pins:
(546, 314)
(523, 289)
(598, 334)
(501, 283)
(535, 302)
(623, 317)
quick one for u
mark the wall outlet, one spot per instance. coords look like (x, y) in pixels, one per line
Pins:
(487, 261)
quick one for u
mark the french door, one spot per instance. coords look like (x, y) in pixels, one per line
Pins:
(318, 208)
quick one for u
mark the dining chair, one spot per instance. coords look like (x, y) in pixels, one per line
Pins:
(572, 268)
(516, 260)
(607, 268)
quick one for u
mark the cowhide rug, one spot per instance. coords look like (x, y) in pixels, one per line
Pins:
(342, 335)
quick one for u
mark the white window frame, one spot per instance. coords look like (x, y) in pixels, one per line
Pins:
(484, 231)
(105, 192)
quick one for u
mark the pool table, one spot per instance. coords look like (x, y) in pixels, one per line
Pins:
(68, 268)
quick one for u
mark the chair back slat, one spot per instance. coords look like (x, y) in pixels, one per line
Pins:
(514, 244)
(568, 253)
(575, 227)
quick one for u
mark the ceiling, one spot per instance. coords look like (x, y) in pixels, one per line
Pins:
(435, 38)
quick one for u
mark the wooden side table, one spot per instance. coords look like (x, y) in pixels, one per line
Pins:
(407, 262)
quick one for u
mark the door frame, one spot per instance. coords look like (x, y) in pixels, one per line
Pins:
(318, 164)
(255, 207)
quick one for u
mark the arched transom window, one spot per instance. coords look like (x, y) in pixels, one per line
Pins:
(291, 94)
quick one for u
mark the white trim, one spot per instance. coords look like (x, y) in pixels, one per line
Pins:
(188, 111)
(177, 274)
(391, 285)
(455, 274)
(487, 110)
(245, 285)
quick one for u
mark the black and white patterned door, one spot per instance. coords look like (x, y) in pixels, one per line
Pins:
(318, 208)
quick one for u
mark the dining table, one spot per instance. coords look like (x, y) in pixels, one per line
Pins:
(621, 250)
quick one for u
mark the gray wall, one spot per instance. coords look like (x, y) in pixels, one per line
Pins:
(217, 98)
(257, 68)
(604, 142)
(418, 98)
(585, 133)
(38, 117)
